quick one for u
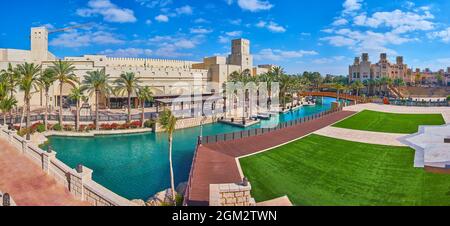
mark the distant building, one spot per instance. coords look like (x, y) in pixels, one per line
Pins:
(363, 69)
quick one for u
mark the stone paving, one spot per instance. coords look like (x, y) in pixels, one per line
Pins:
(390, 139)
(445, 111)
(28, 184)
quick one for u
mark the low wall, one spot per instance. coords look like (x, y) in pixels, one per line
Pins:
(79, 183)
(190, 122)
(230, 195)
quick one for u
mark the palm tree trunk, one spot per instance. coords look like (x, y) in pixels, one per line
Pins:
(129, 107)
(77, 122)
(22, 116)
(96, 111)
(172, 179)
(60, 104)
(143, 114)
(28, 120)
(46, 111)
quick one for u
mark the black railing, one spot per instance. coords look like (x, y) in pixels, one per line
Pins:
(71, 118)
(415, 103)
(260, 131)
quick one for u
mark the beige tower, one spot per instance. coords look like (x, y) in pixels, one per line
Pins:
(39, 44)
(240, 54)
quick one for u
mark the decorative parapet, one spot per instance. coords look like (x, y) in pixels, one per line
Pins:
(78, 181)
(231, 195)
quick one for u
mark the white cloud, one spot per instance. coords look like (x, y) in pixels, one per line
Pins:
(162, 18)
(172, 46)
(200, 21)
(154, 3)
(340, 22)
(399, 21)
(200, 30)
(271, 26)
(234, 33)
(75, 39)
(351, 6)
(223, 39)
(254, 5)
(279, 55)
(148, 22)
(329, 60)
(186, 10)
(443, 35)
(109, 11)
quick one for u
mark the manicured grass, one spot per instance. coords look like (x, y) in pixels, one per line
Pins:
(322, 171)
(389, 122)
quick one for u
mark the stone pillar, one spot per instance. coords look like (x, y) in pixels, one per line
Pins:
(46, 159)
(77, 181)
(25, 146)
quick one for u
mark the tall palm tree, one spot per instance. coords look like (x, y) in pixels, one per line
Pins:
(97, 83)
(11, 77)
(168, 122)
(358, 85)
(6, 105)
(64, 73)
(29, 81)
(76, 94)
(338, 87)
(144, 95)
(285, 82)
(46, 80)
(127, 83)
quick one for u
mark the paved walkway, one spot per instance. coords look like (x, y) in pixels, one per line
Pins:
(27, 183)
(445, 111)
(390, 139)
(216, 163)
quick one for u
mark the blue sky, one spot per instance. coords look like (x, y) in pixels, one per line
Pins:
(299, 35)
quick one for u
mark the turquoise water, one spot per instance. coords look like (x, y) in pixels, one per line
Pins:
(136, 166)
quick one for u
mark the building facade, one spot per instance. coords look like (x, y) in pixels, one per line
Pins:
(362, 69)
(164, 77)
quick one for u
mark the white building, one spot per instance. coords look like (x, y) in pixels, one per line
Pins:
(165, 77)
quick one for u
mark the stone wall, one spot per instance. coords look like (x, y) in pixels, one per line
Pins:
(78, 182)
(230, 195)
(191, 122)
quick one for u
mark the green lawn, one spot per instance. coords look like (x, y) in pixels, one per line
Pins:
(390, 123)
(322, 171)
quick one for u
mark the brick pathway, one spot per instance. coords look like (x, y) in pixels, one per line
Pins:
(216, 163)
(28, 184)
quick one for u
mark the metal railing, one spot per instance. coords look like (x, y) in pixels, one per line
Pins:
(71, 118)
(260, 131)
(414, 103)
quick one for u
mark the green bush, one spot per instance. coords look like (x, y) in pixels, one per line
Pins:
(448, 98)
(40, 128)
(149, 123)
(22, 132)
(57, 127)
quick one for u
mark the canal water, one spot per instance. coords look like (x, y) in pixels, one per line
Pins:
(136, 166)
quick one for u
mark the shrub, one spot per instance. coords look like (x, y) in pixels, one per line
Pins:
(135, 124)
(82, 128)
(68, 128)
(448, 98)
(149, 123)
(115, 126)
(90, 127)
(41, 128)
(22, 132)
(57, 127)
(125, 126)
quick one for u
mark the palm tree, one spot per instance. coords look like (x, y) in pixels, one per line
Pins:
(97, 83)
(338, 87)
(46, 80)
(358, 85)
(11, 77)
(285, 82)
(76, 95)
(127, 83)
(64, 73)
(168, 122)
(29, 80)
(6, 105)
(144, 95)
